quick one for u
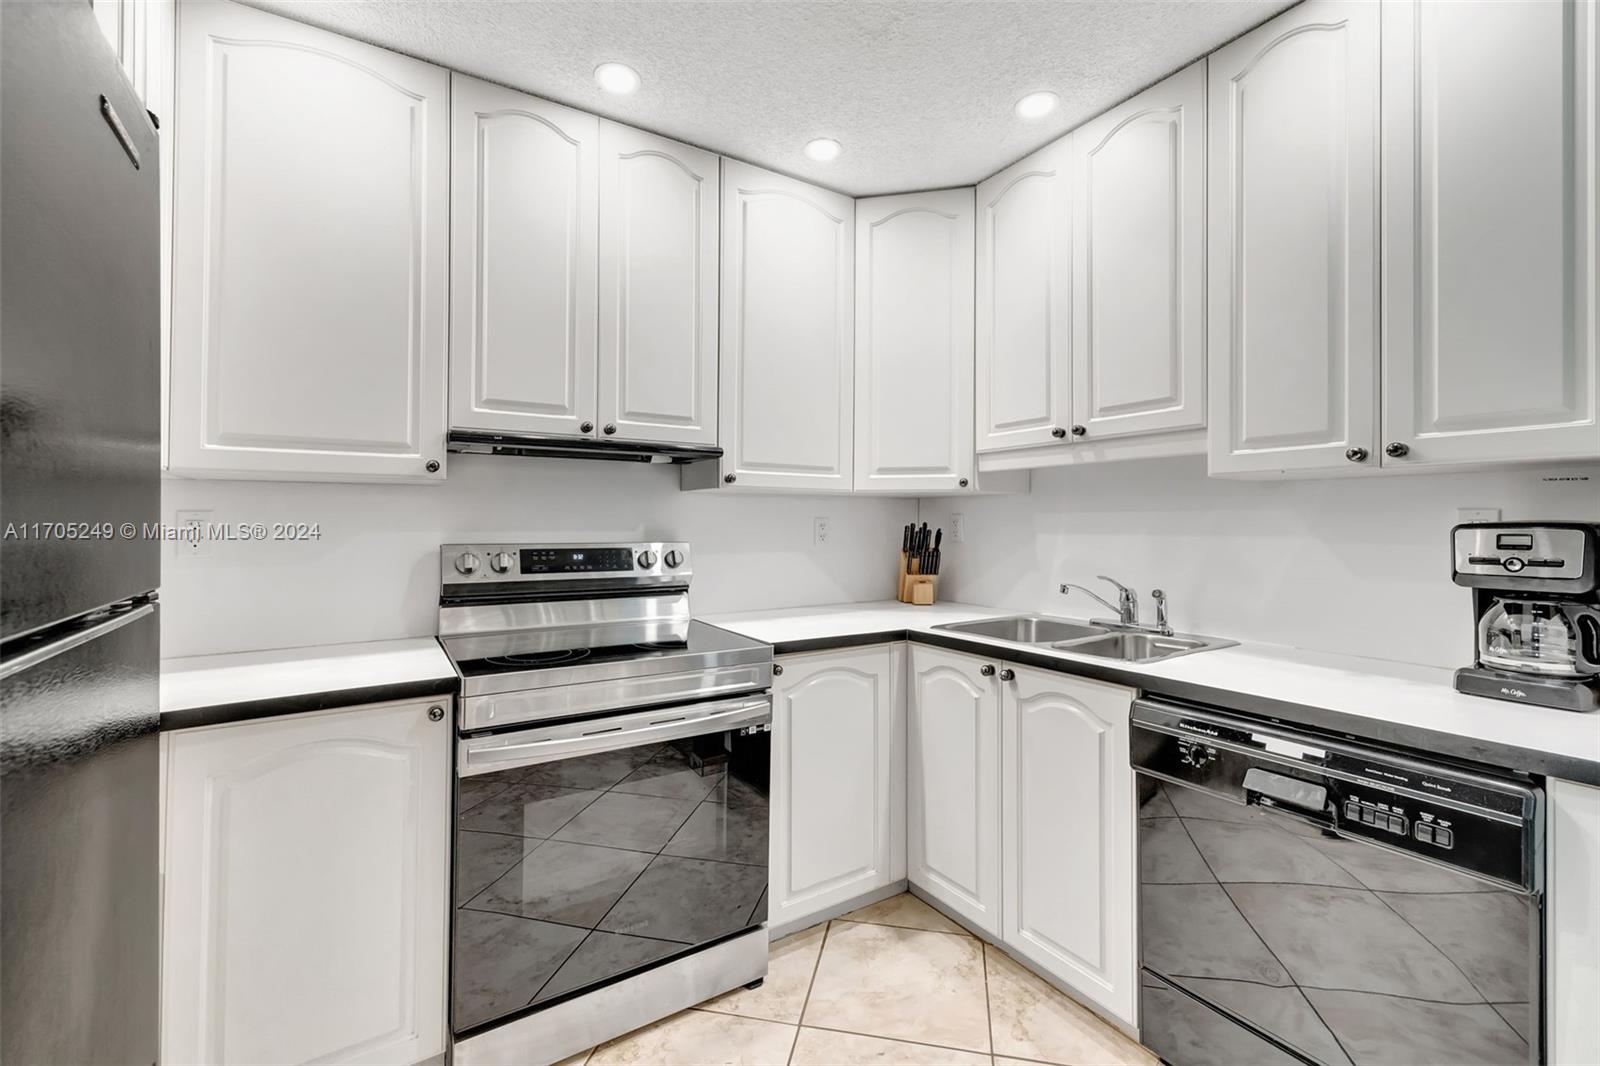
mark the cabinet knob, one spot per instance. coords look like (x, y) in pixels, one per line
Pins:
(1078, 431)
(1058, 433)
(1396, 450)
(963, 483)
(729, 478)
(432, 466)
(587, 427)
(435, 714)
(610, 429)
(777, 668)
(986, 670)
(1356, 455)
(1008, 675)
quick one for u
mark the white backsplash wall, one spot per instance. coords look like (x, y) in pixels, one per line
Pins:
(1356, 566)
(374, 573)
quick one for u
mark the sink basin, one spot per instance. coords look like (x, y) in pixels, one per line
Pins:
(1026, 629)
(1139, 647)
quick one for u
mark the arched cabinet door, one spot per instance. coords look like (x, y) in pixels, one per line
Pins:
(524, 234)
(788, 325)
(310, 254)
(1139, 263)
(1024, 301)
(1067, 804)
(1292, 243)
(305, 868)
(658, 288)
(838, 779)
(953, 820)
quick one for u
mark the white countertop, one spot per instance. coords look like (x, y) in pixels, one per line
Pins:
(1416, 696)
(205, 681)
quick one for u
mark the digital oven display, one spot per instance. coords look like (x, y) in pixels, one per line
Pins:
(575, 560)
(1514, 542)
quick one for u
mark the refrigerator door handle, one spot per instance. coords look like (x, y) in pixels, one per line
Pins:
(44, 653)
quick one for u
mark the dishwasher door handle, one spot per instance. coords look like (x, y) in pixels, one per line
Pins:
(1280, 792)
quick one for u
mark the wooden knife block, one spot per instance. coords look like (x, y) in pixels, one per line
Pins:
(920, 589)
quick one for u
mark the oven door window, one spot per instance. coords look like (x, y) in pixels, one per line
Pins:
(573, 873)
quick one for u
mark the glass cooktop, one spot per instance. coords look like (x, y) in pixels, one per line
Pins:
(531, 651)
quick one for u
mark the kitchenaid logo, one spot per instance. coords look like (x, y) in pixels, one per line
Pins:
(1207, 730)
(1514, 693)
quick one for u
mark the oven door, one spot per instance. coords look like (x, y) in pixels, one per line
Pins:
(590, 851)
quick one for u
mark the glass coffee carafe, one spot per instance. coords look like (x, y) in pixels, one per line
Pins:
(1546, 637)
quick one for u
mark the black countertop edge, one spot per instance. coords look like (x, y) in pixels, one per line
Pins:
(303, 702)
(1335, 723)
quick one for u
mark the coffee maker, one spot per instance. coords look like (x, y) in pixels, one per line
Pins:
(1536, 603)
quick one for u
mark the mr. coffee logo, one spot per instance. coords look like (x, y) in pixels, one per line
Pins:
(1514, 693)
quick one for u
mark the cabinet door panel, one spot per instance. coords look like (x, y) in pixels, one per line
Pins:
(309, 284)
(1024, 304)
(1489, 237)
(1068, 802)
(913, 403)
(304, 889)
(1139, 271)
(1293, 241)
(658, 288)
(524, 174)
(954, 801)
(787, 369)
(836, 728)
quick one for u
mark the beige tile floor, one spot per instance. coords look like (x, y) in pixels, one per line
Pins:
(896, 982)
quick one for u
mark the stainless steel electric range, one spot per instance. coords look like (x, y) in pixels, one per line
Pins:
(610, 856)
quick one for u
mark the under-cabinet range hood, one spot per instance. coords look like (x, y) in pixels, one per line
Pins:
(578, 448)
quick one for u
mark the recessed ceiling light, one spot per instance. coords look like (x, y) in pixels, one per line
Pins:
(1037, 105)
(823, 149)
(616, 78)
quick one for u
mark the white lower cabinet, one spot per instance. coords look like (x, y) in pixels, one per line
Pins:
(1067, 836)
(304, 912)
(953, 779)
(838, 779)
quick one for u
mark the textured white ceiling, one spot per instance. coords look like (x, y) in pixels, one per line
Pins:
(919, 92)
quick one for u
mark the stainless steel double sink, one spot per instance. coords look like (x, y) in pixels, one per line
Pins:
(1104, 641)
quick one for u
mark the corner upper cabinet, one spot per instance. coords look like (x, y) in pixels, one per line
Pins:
(953, 784)
(913, 390)
(1024, 301)
(1490, 200)
(1139, 264)
(310, 254)
(525, 233)
(658, 288)
(1292, 243)
(787, 362)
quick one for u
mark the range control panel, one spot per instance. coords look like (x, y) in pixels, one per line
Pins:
(616, 565)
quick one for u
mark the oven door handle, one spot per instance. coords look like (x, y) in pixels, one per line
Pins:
(529, 747)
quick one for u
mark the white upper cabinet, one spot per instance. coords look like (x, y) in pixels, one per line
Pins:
(309, 254)
(305, 910)
(913, 397)
(1489, 231)
(787, 365)
(1068, 841)
(658, 288)
(953, 778)
(525, 232)
(1139, 263)
(838, 779)
(1024, 301)
(1293, 289)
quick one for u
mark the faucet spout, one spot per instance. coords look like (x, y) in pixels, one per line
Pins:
(1067, 587)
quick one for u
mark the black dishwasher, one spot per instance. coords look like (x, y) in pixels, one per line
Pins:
(1309, 900)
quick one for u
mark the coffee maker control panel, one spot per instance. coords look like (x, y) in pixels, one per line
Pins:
(1543, 553)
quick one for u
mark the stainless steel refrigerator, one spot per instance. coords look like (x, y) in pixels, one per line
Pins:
(79, 469)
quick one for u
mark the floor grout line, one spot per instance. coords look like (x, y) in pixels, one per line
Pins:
(896, 1039)
(988, 1004)
(815, 966)
(911, 928)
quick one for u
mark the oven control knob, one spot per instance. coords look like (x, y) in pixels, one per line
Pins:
(467, 563)
(674, 559)
(647, 559)
(500, 562)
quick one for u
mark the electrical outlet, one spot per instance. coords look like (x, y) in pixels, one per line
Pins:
(819, 529)
(958, 527)
(191, 542)
(1477, 514)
